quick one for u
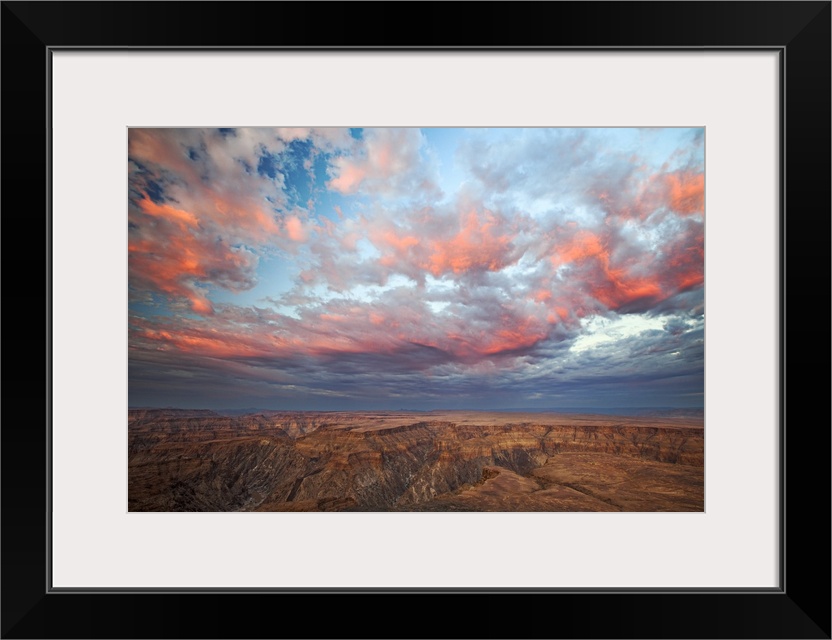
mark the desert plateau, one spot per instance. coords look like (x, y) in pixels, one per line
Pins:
(201, 460)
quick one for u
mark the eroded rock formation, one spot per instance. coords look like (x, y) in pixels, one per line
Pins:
(436, 461)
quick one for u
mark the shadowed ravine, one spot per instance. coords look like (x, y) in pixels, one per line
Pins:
(433, 461)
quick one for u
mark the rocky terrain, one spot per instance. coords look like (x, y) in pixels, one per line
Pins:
(413, 461)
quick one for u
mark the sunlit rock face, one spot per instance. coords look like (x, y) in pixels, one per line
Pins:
(411, 461)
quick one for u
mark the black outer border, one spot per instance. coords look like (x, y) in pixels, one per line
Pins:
(799, 30)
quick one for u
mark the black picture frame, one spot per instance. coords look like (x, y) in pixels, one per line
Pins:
(799, 608)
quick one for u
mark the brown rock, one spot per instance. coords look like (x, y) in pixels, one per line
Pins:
(287, 461)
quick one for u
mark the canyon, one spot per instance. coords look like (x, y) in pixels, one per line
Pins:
(201, 460)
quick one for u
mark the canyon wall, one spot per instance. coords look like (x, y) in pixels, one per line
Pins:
(284, 461)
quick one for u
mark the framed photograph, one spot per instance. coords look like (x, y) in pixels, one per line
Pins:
(598, 213)
(416, 319)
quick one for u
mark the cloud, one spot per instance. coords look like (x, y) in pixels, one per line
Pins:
(295, 229)
(201, 215)
(179, 264)
(387, 163)
(687, 192)
(640, 196)
(394, 289)
(667, 359)
(585, 175)
(438, 242)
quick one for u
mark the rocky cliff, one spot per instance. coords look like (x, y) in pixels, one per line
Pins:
(292, 461)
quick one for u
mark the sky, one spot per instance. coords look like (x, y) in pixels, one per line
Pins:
(353, 269)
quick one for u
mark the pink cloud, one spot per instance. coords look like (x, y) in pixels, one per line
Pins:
(179, 216)
(616, 275)
(385, 162)
(479, 245)
(478, 240)
(210, 233)
(639, 195)
(176, 263)
(205, 232)
(687, 192)
(295, 229)
(350, 177)
(343, 327)
(604, 273)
